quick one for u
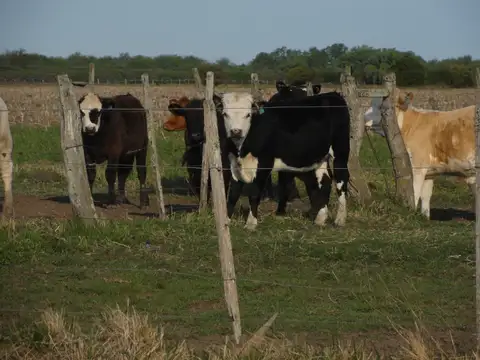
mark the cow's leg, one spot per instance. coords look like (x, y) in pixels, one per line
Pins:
(255, 197)
(6, 165)
(285, 181)
(91, 170)
(267, 192)
(293, 192)
(124, 169)
(321, 197)
(342, 177)
(425, 196)
(110, 176)
(233, 195)
(91, 175)
(141, 166)
(418, 180)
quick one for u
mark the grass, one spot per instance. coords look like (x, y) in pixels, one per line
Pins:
(387, 268)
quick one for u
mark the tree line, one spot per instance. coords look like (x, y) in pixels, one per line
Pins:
(368, 65)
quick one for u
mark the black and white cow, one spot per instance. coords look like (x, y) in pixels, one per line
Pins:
(195, 138)
(119, 137)
(295, 136)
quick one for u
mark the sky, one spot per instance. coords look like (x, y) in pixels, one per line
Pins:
(239, 29)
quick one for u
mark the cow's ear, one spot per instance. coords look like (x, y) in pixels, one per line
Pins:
(257, 107)
(107, 102)
(280, 85)
(409, 97)
(317, 88)
(175, 108)
(217, 100)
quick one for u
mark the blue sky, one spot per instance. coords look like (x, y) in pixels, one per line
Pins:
(237, 29)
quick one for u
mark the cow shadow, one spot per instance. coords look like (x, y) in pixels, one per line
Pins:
(449, 214)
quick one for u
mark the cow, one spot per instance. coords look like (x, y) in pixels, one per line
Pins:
(176, 122)
(114, 129)
(6, 161)
(294, 136)
(438, 143)
(194, 140)
(295, 89)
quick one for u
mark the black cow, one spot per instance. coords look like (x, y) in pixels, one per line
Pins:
(119, 137)
(195, 138)
(294, 136)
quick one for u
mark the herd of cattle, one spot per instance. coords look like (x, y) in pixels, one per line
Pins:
(292, 133)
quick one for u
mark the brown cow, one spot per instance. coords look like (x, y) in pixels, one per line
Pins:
(176, 122)
(438, 142)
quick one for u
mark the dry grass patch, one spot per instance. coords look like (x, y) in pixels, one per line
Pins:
(40, 105)
(130, 335)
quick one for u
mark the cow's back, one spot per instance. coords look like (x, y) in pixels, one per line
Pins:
(133, 123)
(440, 139)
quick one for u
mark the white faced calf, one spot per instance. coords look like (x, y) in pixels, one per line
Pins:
(90, 112)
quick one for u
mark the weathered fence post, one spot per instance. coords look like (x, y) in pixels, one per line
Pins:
(309, 88)
(477, 77)
(358, 183)
(254, 82)
(152, 141)
(205, 161)
(220, 207)
(477, 221)
(402, 167)
(91, 74)
(73, 155)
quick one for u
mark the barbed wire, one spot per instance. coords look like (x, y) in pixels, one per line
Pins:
(215, 278)
(193, 167)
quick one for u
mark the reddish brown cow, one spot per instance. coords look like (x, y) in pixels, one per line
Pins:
(176, 122)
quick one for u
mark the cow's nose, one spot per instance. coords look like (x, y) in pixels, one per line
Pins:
(90, 129)
(236, 133)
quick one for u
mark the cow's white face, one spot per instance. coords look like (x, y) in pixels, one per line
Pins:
(90, 112)
(237, 113)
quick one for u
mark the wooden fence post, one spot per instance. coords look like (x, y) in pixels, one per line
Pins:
(91, 74)
(402, 167)
(73, 154)
(358, 183)
(309, 88)
(477, 221)
(220, 208)
(477, 77)
(254, 82)
(152, 141)
(205, 161)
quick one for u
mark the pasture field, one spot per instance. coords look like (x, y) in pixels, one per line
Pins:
(387, 269)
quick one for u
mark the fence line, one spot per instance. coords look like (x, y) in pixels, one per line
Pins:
(400, 163)
(44, 166)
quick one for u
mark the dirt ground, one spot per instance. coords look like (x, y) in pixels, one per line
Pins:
(59, 207)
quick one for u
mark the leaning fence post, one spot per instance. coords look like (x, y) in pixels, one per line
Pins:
(359, 187)
(402, 166)
(220, 208)
(477, 220)
(152, 141)
(73, 154)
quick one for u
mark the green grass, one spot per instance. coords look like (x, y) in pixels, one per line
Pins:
(385, 265)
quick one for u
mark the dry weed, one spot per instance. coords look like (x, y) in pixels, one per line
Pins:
(123, 335)
(40, 105)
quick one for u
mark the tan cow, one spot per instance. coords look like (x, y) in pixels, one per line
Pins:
(438, 142)
(6, 162)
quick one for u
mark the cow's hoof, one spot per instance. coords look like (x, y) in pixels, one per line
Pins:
(121, 200)
(144, 198)
(250, 226)
(280, 213)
